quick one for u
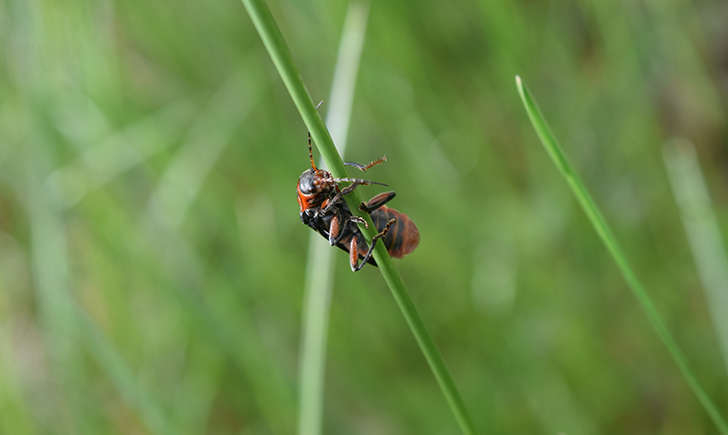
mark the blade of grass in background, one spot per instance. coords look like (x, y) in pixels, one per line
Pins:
(117, 153)
(701, 226)
(209, 134)
(14, 408)
(605, 233)
(122, 376)
(123, 150)
(68, 327)
(61, 333)
(278, 50)
(174, 195)
(319, 273)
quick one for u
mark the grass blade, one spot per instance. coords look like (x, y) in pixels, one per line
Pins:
(319, 275)
(701, 226)
(281, 56)
(117, 153)
(209, 135)
(14, 409)
(67, 326)
(122, 376)
(553, 148)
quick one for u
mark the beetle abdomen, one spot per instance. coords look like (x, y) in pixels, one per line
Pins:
(403, 237)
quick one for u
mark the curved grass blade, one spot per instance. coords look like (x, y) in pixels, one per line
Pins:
(553, 148)
(281, 56)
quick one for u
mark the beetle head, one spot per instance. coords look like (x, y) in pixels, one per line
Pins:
(306, 182)
(314, 181)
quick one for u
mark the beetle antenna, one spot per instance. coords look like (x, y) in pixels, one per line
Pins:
(310, 151)
(358, 181)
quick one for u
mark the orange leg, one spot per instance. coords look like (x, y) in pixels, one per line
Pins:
(353, 254)
(334, 230)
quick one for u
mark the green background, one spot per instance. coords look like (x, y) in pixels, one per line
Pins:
(152, 259)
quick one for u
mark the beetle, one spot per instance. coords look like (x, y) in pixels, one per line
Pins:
(322, 207)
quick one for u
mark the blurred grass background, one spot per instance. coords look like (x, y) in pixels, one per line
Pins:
(152, 259)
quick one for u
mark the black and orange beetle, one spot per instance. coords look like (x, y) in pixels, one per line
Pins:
(323, 208)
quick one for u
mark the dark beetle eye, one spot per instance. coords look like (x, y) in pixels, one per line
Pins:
(306, 182)
(306, 186)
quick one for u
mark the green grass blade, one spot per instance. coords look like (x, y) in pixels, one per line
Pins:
(67, 325)
(319, 273)
(553, 148)
(117, 153)
(15, 409)
(122, 376)
(208, 136)
(281, 56)
(703, 231)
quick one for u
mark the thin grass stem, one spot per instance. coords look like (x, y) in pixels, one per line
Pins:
(281, 56)
(701, 226)
(553, 148)
(319, 273)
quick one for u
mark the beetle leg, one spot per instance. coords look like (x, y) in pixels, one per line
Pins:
(353, 254)
(376, 202)
(334, 230)
(364, 168)
(358, 220)
(346, 190)
(337, 229)
(368, 255)
(332, 202)
(357, 181)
